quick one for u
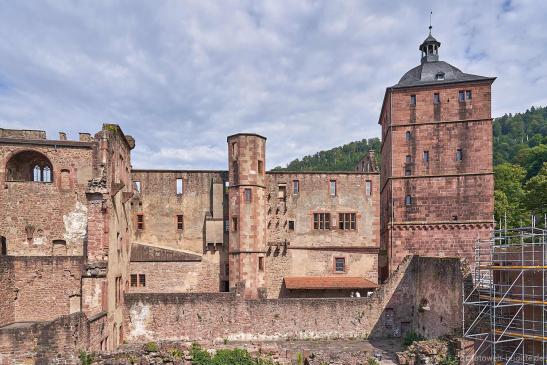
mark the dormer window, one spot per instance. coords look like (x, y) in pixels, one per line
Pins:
(439, 76)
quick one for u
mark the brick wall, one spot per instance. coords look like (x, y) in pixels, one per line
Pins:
(37, 282)
(7, 292)
(55, 342)
(388, 312)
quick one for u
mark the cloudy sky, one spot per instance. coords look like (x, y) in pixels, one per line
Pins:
(310, 75)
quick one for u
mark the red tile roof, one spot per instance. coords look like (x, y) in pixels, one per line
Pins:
(328, 282)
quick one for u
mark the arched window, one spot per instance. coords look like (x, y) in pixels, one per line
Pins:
(36, 173)
(408, 200)
(29, 166)
(46, 174)
(3, 246)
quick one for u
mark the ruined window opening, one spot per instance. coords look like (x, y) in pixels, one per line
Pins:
(234, 150)
(347, 221)
(180, 222)
(282, 191)
(321, 221)
(260, 167)
(333, 187)
(142, 280)
(408, 200)
(140, 222)
(368, 188)
(291, 225)
(408, 159)
(29, 166)
(407, 135)
(234, 224)
(426, 156)
(261, 263)
(3, 246)
(436, 98)
(235, 169)
(412, 100)
(224, 286)
(248, 193)
(340, 264)
(134, 281)
(180, 186)
(295, 186)
(461, 96)
(459, 154)
(137, 185)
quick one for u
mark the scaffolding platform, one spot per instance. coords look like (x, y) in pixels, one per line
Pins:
(505, 311)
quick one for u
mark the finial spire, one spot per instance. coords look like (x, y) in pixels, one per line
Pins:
(430, 27)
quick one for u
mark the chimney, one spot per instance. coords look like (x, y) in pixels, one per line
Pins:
(62, 136)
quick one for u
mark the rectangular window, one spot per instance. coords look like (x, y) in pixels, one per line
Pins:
(412, 100)
(340, 264)
(408, 171)
(234, 224)
(142, 280)
(261, 263)
(321, 221)
(461, 96)
(368, 188)
(408, 200)
(333, 187)
(468, 95)
(346, 221)
(426, 156)
(134, 280)
(180, 222)
(291, 225)
(180, 186)
(436, 98)
(459, 154)
(140, 222)
(408, 159)
(282, 191)
(137, 185)
(295, 186)
(248, 195)
(260, 167)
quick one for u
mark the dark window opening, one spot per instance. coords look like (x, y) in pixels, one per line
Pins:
(295, 186)
(408, 171)
(321, 221)
(3, 246)
(291, 225)
(407, 135)
(408, 159)
(248, 193)
(436, 98)
(234, 224)
(426, 156)
(260, 167)
(261, 263)
(224, 286)
(439, 76)
(140, 222)
(142, 280)
(408, 200)
(134, 281)
(347, 221)
(412, 100)
(461, 96)
(459, 154)
(468, 95)
(180, 222)
(340, 264)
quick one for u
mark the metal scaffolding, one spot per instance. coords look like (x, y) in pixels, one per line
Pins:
(504, 310)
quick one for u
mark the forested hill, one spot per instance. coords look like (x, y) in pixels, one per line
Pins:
(520, 163)
(342, 158)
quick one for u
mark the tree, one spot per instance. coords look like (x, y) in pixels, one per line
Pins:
(510, 194)
(535, 198)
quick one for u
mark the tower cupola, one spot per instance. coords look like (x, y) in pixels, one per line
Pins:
(430, 48)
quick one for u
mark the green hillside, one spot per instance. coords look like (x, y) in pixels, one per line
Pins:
(520, 163)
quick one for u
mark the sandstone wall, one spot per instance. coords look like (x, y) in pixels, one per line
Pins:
(390, 311)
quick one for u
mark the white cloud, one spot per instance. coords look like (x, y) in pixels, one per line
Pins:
(182, 75)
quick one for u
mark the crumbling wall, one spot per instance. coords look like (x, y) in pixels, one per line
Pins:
(389, 312)
(44, 288)
(55, 342)
(7, 292)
